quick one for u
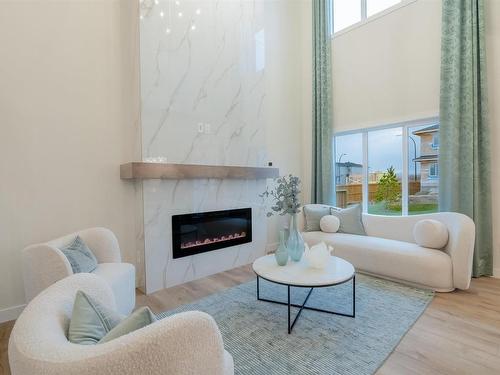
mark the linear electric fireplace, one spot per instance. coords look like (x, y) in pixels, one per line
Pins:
(206, 231)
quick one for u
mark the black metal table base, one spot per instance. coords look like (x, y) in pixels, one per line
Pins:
(303, 306)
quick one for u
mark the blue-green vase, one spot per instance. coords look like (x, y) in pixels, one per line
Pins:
(281, 253)
(295, 242)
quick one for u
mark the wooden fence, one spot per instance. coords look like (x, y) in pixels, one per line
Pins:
(347, 194)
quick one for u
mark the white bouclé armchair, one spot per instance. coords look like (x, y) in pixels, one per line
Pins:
(188, 343)
(44, 264)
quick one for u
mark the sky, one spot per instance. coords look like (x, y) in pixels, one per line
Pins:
(384, 149)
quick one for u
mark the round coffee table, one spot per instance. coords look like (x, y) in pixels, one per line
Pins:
(299, 274)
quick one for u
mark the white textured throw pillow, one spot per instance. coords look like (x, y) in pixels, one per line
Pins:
(329, 224)
(430, 233)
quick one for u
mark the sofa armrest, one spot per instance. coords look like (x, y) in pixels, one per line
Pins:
(460, 247)
(43, 265)
(103, 243)
(184, 344)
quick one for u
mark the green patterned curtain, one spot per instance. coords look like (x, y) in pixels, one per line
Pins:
(464, 158)
(322, 168)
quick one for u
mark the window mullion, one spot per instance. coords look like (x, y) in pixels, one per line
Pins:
(364, 10)
(365, 179)
(404, 177)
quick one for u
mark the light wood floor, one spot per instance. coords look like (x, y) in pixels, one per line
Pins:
(459, 333)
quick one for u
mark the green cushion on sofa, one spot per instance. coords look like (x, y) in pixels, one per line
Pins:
(138, 319)
(313, 214)
(79, 256)
(90, 321)
(350, 219)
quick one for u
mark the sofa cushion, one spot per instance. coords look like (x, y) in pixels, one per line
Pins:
(80, 257)
(350, 219)
(390, 258)
(329, 224)
(430, 233)
(137, 320)
(90, 320)
(313, 214)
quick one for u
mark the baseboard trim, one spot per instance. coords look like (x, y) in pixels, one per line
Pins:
(496, 273)
(11, 313)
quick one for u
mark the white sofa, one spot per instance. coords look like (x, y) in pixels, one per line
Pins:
(185, 343)
(44, 264)
(389, 250)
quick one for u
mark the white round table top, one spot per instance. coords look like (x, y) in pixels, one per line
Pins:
(300, 273)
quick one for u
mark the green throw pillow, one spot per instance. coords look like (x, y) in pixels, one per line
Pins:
(350, 219)
(91, 321)
(79, 256)
(313, 214)
(138, 319)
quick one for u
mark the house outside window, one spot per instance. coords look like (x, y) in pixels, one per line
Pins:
(428, 158)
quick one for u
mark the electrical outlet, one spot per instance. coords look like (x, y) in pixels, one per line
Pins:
(201, 127)
(208, 128)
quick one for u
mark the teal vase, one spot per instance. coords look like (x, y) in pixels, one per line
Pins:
(295, 242)
(281, 253)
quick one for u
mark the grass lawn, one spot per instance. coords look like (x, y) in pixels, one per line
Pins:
(378, 208)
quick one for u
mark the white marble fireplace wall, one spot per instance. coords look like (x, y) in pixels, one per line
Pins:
(208, 98)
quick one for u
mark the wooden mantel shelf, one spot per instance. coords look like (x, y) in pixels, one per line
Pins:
(148, 170)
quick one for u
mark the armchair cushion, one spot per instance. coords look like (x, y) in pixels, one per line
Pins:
(79, 256)
(137, 320)
(90, 320)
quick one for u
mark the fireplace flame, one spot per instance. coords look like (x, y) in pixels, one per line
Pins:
(207, 241)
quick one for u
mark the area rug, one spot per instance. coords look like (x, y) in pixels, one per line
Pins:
(255, 332)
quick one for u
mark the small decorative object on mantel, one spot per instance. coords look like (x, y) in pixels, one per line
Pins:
(318, 255)
(285, 196)
(157, 159)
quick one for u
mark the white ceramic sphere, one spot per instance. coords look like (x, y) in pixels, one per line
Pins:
(329, 224)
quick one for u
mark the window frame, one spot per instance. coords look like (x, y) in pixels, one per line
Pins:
(434, 145)
(405, 126)
(435, 175)
(364, 17)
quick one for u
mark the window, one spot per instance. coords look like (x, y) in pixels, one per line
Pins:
(377, 6)
(392, 170)
(434, 170)
(385, 171)
(435, 141)
(348, 169)
(350, 12)
(345, 13)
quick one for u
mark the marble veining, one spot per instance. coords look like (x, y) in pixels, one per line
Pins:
(200, 69)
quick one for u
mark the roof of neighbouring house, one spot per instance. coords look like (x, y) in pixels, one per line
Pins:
(426, 158)
(349, 164)
(428, 129)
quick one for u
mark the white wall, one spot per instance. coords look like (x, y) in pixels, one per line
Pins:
(68, 94)
(288, 135)
(69, 107)
(388, 71)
